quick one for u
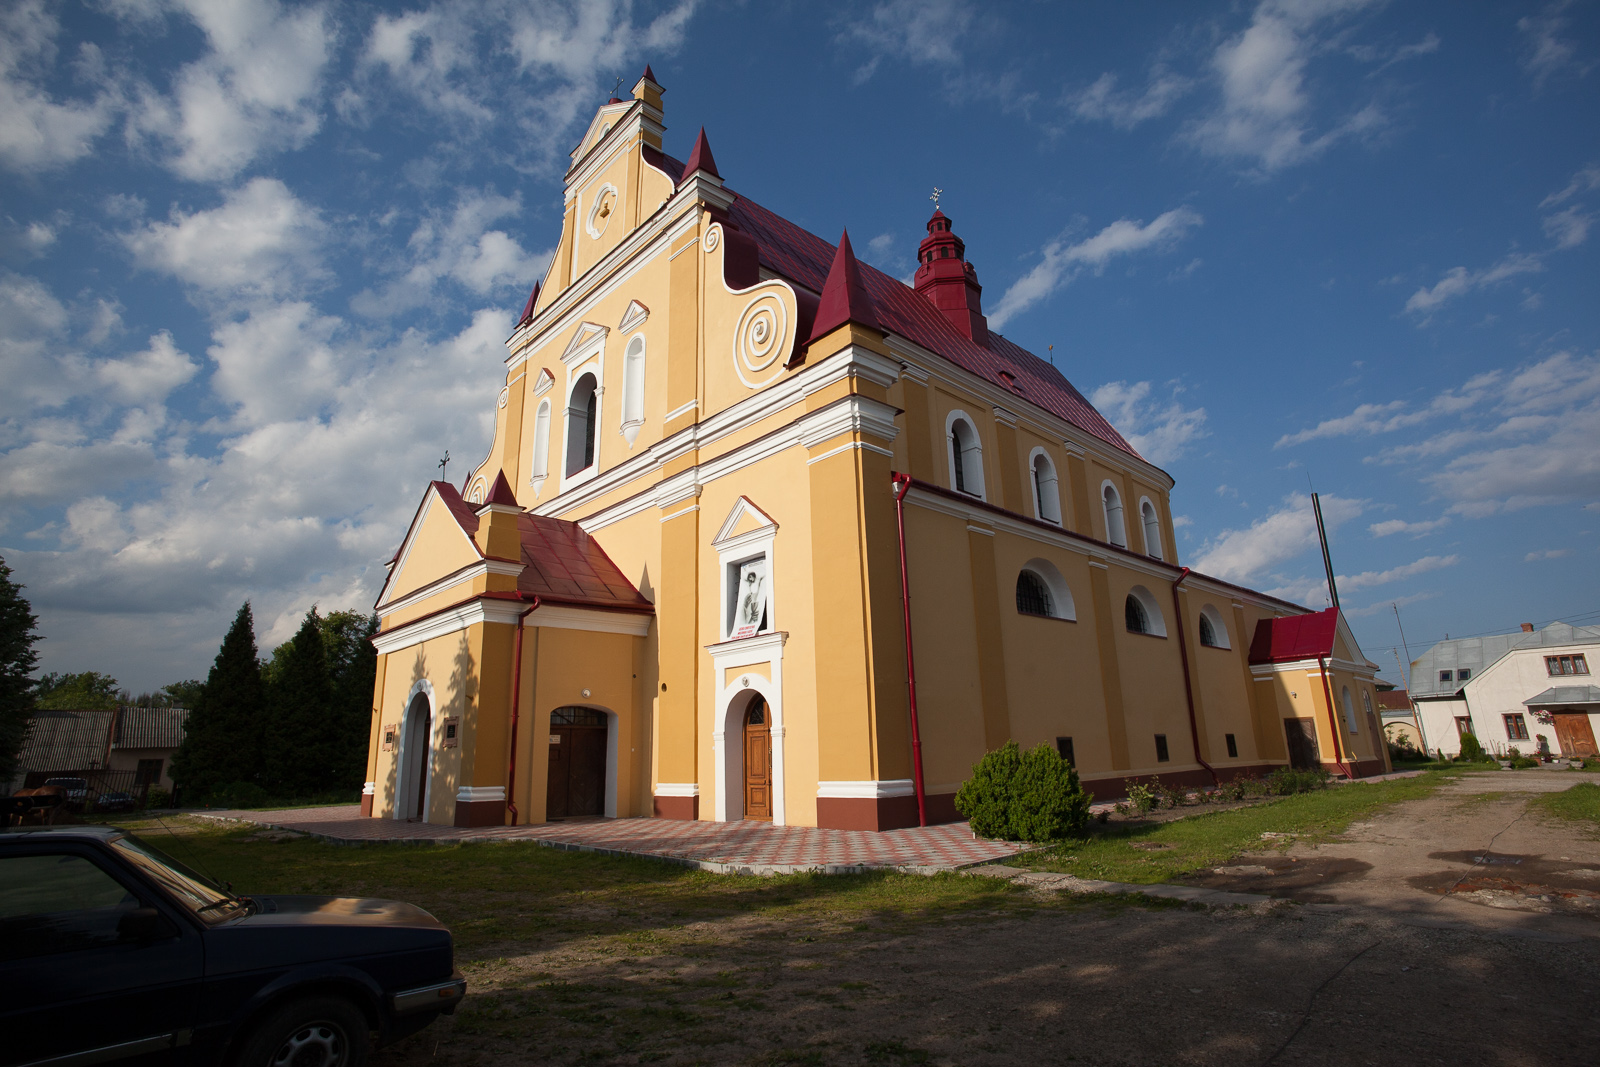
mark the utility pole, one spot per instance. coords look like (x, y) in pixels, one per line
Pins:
(1327, 561)
(1405, 676)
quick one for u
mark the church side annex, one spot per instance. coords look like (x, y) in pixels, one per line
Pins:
(736, 478)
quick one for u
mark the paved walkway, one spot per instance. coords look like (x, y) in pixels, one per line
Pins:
(731, 848)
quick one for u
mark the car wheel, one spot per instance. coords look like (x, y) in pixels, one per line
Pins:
(319, 1032)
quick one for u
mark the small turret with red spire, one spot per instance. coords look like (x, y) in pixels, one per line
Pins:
(946, 278)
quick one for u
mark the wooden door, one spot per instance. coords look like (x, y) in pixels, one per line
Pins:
(1302, 737)
(1575, 734)
(555, 790)
(758, 762)
(576, 782)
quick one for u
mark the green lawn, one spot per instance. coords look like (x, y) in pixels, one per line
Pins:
(1212, 839)
(1580, 803)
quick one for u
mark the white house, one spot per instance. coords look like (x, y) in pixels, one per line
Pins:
(1531, 690)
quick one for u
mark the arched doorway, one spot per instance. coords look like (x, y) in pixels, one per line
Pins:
(576, 783)
(414, 750)
(758, 761)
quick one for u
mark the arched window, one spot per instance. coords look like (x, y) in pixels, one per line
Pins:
(1116, 533)
(539, 468)
(1141, 614)
(1349, 709)
(582, 409)
(1213, 631)
(1033, 596)
(1046, 491)
(633, 388)
(1152, 529)
(966, 455)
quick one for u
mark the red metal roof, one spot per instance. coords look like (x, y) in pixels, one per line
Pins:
(805, 258)
(563, 563)
(844, 299)
(1393, 699)
(1295, 637)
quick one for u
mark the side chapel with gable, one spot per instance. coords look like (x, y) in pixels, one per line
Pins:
(765, 533)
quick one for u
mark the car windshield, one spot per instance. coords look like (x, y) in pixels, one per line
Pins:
(195, 891)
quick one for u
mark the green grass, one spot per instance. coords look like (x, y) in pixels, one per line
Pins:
(1212, 839)
(1581, 803)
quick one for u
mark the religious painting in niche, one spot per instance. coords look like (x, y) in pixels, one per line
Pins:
(452, 727)
(750, 607)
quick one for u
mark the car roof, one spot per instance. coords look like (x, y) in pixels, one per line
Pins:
(91, 833)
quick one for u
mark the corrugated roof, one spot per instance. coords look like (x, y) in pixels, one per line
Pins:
(802, 257)
(1295, 637)
(65, 741)
(561, 562)
(1477, 654)
(1565, 694)
(1393, 700)
(151, 727)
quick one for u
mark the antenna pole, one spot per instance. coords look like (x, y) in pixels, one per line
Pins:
(1327, 561)
(1405, 676)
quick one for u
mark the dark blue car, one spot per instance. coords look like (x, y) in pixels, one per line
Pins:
(111, 951)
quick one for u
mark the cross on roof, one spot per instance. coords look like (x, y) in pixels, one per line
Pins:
(937, 192)
(617, 87)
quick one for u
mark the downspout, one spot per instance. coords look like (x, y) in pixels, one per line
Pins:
(1188, 686)
(1333, 722)
(902, 486)
(516, 699)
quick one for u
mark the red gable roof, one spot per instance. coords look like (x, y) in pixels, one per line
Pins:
(561, 562)
(804, 258)
(1393, 699)
(1295, 637)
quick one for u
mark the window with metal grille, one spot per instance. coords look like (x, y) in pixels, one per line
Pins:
(1516, 727)
(1135, 616)
(1208, 633)
(1033, 597)
(1233, 746)
(1161, 748)
(1064, 747)
(577, 717)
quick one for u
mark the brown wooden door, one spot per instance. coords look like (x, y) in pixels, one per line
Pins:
(576, 783)
(1302, 737)
(1575, 734)
(757, 762)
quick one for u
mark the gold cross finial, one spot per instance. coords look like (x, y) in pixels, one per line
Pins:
(937, 192)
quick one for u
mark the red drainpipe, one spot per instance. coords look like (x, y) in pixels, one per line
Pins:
(1188, 686)
(902, 486)
(516, 696)
(1333, 723)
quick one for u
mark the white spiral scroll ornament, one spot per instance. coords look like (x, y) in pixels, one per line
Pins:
(758, 342)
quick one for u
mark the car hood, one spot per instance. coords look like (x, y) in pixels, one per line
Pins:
(275, 910)
(394, 942)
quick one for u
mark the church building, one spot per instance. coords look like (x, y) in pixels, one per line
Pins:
(765, 533)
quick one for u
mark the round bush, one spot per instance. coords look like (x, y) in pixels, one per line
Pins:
(1024, 796)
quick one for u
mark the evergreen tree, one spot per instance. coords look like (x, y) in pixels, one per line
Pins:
(222, 743)
(303, 735)
(353, 665)
(17, 661)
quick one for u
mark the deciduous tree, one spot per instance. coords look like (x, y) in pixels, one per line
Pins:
(17, 661)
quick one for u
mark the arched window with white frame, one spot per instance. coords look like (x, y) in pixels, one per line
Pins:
(539, 466)
(633, 389)
(1349, 709)
(1150, 520)
(1142, 614)
(1116, 532)
(1046, 488)
(966, 454)
(1213, 631)
(1042, 591)
(583, 411)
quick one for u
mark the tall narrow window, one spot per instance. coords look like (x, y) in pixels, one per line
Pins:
(1064, 749)
(1161, 748)
(1208, 634)
(581, 411)
(1046, 491)
(539, 469)
(1116, 533)
(633, 389)
(1137, 619)
(966, 457)
(1152, 529)
(1349, 708)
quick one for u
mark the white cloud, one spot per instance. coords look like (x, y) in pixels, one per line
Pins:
(1401, 526)
(1459, 280)
(1369, 579)
(1100, 102)
(261, 240)
(254, 91)
(1545, 52)
(36, 131)
(280, 364)
(1386, 605)
(1242, 555)
(1062, 262)
(1159, 429)
(921, 31)
(1368, 419)
(1549, 553)
(1568, 228)
(1265, 112)
(147, 377)
(1586, 180)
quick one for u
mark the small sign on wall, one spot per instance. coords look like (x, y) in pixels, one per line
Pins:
(390, 732)
(452, 727)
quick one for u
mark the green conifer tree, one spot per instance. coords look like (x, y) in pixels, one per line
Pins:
(303, 735)
(223, 740)
(353, 667)
(17, 661)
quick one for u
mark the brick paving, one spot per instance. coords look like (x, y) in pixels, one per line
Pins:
(732, 847)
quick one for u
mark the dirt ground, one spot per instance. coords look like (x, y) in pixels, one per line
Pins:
(1398, 944)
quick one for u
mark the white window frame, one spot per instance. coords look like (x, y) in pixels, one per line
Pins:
(1349, 708)
(1115, 534)
(1045, 497)
(583, 474)
(1062, 605)
(539, 459)
(737, 549)
(974, 472)
(1219, 629)
(633, 387)
(1155, 551)
(1152, 612)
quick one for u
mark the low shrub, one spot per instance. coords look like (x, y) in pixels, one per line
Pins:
(1141, 798)
(1024, 796)
(239, 795)
(157, 798)
(1518, 760)
(1472, 750)
(1286, 781)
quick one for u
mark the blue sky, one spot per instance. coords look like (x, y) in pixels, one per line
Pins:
(258, 259)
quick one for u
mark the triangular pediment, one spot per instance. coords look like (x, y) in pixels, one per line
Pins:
(633, 317)
(604, 120)
(582, 340)
(743, 519)
(543, 381)
(436, 544)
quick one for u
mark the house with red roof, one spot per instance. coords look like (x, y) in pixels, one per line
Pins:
(765, 533)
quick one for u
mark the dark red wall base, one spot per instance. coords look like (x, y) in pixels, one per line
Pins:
(684, 808)
(366, 805)
(480, 813)
(1116, 788)
(883, 813)
(1366, 768)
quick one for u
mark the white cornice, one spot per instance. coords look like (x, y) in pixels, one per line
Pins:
(867, 790)
(572, 617)
(454, 578)
(450, 621)
(748, 649)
